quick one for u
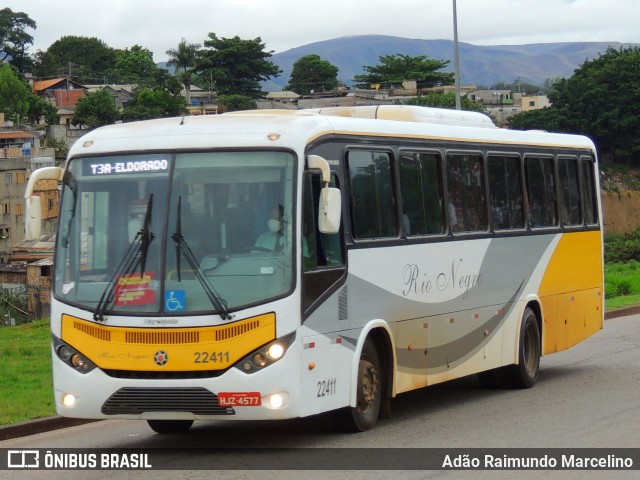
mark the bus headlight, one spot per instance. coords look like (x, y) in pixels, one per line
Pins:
(72, 357)
(276, 351)
(267, 355)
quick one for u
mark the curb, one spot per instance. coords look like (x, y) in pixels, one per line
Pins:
(40, 425)
(33, 427)
(623, 312)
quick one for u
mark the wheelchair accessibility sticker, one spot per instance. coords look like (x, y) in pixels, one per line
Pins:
(174, 301)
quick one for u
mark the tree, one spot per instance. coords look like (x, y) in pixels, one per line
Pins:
(13, 37)
(95, 110)
(234, 103)
(134, 65)
(395, 69)
(41, 109)
(59, 145)
(184, 59)
(601, 100)
(237, 66)
(604, 94)
(311, 73)
(89, 59)
(14, 95)
(153, 103)
(548, 119)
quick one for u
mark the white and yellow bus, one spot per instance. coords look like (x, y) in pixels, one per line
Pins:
(271, 264)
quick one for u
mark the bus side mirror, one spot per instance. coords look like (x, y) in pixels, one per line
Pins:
(330, 208)
(33, 218)
(33, 211)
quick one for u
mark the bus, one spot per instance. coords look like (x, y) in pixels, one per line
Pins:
(282, 264)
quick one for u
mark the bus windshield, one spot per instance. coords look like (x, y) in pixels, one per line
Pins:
(204, 232)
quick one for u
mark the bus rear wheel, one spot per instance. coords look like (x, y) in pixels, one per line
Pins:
(170, 426)
(525, 373)
(364, 415)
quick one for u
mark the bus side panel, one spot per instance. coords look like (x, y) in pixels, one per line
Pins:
(326, 372)
(436, 349)
(572, 283)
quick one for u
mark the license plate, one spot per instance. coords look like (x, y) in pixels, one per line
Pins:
(239, 399)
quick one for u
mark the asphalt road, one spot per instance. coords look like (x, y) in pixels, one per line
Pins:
(586, 397)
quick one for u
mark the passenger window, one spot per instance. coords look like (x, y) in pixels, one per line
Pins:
(588, 192)
(421, 194)
(373, 210)
(569, 191)
(505, 187)
(467, 203)
(541, 192)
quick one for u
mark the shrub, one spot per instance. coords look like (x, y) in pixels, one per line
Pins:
(622, 248)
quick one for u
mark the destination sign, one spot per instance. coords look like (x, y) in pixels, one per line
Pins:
(137, 166)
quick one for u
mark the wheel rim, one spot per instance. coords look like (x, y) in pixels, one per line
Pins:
(368, 381)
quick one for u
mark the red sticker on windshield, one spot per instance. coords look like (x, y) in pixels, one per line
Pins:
(133, 289)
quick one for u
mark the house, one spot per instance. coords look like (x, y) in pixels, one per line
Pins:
(283, 97)
(32, 269)
(122, 94)
(20, 154)
(62, 93)
(534, 102)
(16, 144)
(491, 97)
(198, 96)
(498, 104)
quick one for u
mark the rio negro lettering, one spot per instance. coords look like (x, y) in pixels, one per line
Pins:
(417, 282)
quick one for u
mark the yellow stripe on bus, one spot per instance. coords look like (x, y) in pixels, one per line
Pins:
(168, 349)
(571, 291)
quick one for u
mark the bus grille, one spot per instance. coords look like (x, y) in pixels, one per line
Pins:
(163, 374)
(92, 330)
(226, 333)
(136, 401)
(162, 338)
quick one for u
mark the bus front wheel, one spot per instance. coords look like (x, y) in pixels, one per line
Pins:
(170, 426)
(364, 415)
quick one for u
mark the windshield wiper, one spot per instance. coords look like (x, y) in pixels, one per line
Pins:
(135, 255)
(146, 235)
(182, 247)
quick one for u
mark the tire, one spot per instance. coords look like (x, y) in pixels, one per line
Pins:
(170, 426)
(364, 415)
(525, 373)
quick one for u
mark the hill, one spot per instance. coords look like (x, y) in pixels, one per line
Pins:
(479, 65)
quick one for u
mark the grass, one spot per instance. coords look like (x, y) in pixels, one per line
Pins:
(25, 361)
(25, 370)
(622, 285)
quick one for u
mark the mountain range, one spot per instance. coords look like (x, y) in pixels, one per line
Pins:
(479, 65)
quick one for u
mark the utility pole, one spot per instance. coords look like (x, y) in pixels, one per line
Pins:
(456, 56)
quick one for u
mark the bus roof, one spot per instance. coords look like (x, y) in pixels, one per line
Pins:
(295, 129)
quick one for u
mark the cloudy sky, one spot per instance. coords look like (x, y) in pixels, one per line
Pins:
(284, 24)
